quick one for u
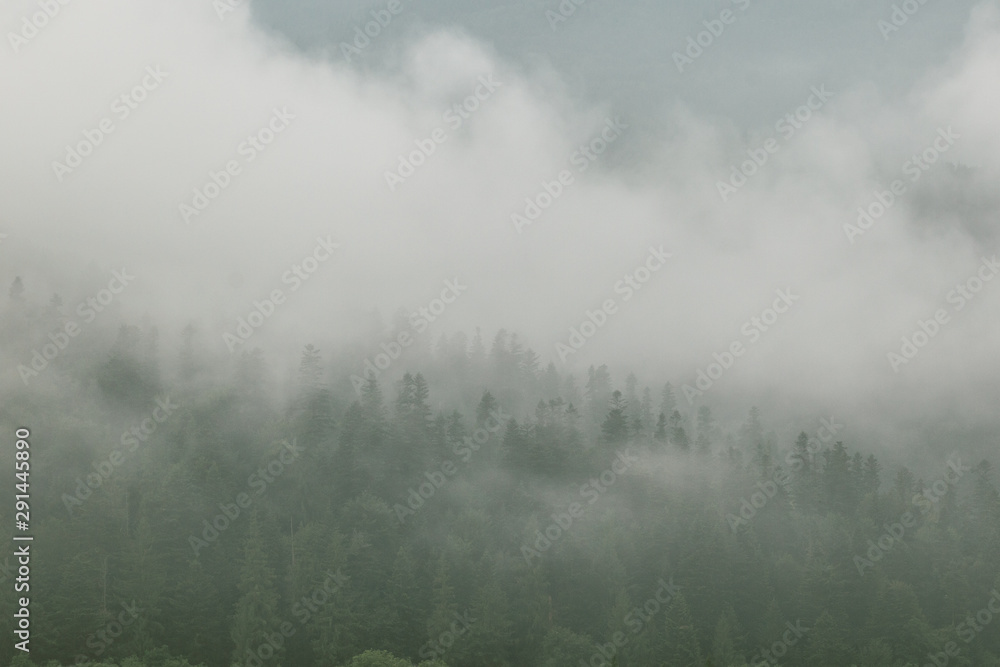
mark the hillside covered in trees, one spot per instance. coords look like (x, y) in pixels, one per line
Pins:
(466, 508)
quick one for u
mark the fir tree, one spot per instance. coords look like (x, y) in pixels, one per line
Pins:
(256, 613)
(683, 649)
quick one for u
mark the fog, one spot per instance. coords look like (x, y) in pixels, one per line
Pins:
(389, 293)
(680, 134)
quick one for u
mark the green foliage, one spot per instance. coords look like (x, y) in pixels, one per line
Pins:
(256, 617)
(683, 648)
(451, 581)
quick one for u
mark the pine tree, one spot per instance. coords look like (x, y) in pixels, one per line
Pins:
(802, 450)
(668, 402)
(310, 372)
(404, 397)
(706, 431)
(421, 411)
(677, 433)
(571, 391)
(872, 474)
(477, 355)
(646, 410)
(660, 435)
(550, 382)
(443, 605)
(598, 392)
(256, 613)
(516, 447)
(837, 480)
(727, 640)
(633, 408)
(752, 433)
(404, 606)
(573, 437)
(904, 486)
(501, 362)
(615, 426)
(375, 432)
(484, 411)
(827, 642)
(683, 649)
(897, 618)
(347, 476)
(489, 638)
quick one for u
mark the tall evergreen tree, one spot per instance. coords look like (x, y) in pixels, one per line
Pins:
(660, 435)
(681, 638)
(256, 613)
(615, 427)
(678, 435)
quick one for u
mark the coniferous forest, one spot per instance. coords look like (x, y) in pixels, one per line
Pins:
(469, 507)
(499, 333)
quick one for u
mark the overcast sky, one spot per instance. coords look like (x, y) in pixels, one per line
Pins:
(210, 79)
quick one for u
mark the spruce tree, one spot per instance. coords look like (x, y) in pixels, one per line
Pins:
(256, 613)
(615, 427)
(682, 647)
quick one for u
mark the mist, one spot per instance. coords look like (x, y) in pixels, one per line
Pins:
(797, 213)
